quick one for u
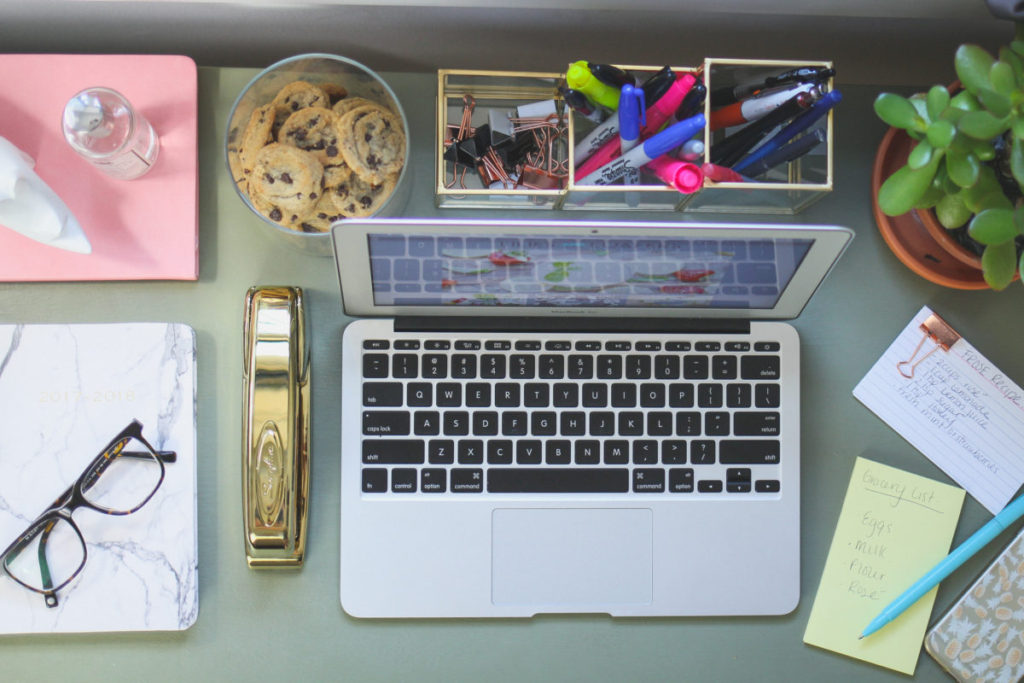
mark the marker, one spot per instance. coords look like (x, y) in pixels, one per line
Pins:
(654, 89)
(691, 150)
(578, 77)
(656, 115)
(722, 174)
(581, 105)
(643, 154)
(693, 102)
(754, 108)
(799, 125)
(805, 74)
(682, 175)
(631, 114)
(1007, 516)
(611, 75)
(732, 148)
(784, 155)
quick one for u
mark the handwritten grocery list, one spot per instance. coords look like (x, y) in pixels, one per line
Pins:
(958, 409)
(894, 527)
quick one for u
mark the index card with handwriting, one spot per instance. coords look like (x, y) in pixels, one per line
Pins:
(952, 404)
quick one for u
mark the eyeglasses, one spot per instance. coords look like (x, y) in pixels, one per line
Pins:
(119, 481)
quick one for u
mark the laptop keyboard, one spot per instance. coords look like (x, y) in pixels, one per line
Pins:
(472, 414)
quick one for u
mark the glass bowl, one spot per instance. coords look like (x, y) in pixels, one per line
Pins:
(328, 72)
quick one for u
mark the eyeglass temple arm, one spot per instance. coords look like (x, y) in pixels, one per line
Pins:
(49, 595)
(165, 456)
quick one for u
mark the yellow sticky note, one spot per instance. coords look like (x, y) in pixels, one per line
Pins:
(894, 527)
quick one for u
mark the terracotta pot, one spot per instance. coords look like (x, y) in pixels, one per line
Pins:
(917, 238)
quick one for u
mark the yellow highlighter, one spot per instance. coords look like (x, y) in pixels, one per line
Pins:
(579, 77)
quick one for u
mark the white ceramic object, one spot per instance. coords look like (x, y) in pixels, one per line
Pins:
(28, 205)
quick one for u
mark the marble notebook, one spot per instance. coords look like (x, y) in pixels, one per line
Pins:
(65, 392)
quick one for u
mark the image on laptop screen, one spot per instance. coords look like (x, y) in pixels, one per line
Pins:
(518, 269)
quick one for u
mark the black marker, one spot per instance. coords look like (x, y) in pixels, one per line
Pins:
(611, 75)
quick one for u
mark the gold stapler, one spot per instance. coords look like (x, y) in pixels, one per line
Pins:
(275, 438)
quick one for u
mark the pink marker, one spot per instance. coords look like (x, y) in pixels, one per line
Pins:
(722, 174)
(682, 175)
(657, 114)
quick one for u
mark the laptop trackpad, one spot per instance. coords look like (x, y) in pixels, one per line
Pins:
(571, 557)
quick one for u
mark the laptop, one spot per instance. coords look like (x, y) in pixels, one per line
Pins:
(572, 417)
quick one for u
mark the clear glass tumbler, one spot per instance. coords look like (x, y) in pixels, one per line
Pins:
(103, 127)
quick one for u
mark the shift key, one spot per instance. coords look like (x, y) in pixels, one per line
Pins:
(393, 451)
(749, 452)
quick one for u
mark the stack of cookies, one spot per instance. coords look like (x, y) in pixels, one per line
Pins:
(314, 155)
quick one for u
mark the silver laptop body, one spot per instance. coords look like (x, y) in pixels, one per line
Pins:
(485, 472)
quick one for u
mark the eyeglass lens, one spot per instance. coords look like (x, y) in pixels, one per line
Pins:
(125, 480)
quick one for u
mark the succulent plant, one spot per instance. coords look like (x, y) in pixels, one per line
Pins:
(968, 162)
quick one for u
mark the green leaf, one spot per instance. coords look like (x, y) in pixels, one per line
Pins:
(972, 67)
(902, 190)
(981, 125)
(1018, 219)
(1003, 80)
(937, 100)
(965, 101)
(940, 134)
(1018, 128)
(1017, 46)
(999, 263)
(992, 200)
(993, 226)
(921, 155)
(999, 105)
(920, 105)
(932, 196)
(897, 111)
(1016, 64)
(982, 149)
(986, 193)
(952, 212)
(1017, 161)
(963, 169)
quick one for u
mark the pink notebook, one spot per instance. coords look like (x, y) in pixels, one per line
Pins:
(143, 229)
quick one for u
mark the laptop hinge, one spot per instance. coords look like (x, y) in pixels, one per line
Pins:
(607, 325)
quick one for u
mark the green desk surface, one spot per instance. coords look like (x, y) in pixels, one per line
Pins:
(289, 625)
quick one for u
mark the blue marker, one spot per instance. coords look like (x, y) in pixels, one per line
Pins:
(642, 154)
(631, 115)
(783, 155)
(630, 118)
(799, 124)
(1009, 514)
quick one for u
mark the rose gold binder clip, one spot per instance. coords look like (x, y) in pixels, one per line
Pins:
(464, 130)
(546, 168)
(942, 336)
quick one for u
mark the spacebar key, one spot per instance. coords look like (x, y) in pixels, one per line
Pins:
(545, 480)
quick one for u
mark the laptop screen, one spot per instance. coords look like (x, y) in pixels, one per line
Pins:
(423, 269)
(447, 268)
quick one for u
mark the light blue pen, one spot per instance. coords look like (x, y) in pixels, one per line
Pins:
(1007, 516)
(799, 125)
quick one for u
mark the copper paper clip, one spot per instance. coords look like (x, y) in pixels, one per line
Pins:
(941, 334)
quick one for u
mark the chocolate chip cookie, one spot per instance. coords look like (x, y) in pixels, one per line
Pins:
(288, 178)
(315, 130)
(372, 143)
